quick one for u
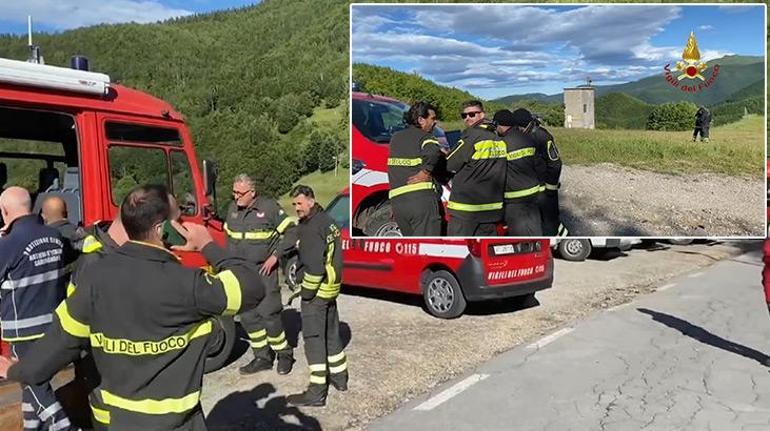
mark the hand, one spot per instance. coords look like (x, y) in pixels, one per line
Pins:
(269, 264)
(5, 364)
(419, 177)
(197, 236)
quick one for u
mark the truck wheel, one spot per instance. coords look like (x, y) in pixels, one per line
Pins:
(221, 349)
(290, 272)
(381, 222)
(442, 294)
(575, 250)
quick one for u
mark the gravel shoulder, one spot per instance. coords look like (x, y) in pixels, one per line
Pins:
(397, 351)
(608, 200)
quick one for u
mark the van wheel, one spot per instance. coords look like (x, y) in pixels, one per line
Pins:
(442, 294)
(291, 271)
(575, 250)
(381, 222)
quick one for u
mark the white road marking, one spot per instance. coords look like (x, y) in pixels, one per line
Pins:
(451, 392)
(665, 287)
(697, 274)
(548, 339)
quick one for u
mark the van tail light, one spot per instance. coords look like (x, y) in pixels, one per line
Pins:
(474, 246)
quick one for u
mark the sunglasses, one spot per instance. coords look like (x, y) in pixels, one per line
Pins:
(469, 114)
(239, 194)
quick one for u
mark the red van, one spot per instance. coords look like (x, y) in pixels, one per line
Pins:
(447, 272)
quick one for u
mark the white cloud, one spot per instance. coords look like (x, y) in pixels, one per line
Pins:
(706, 27)
(67, 14)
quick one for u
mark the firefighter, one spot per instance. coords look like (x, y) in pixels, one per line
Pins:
(54, 213)
(32, 280)
(522, 186)
(549, 170)
(320, 269)
(478, 163)
(148, 319)
(254, 225)
(414, 154)
(702, 124)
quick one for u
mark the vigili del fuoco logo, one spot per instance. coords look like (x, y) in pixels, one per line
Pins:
(691, 78)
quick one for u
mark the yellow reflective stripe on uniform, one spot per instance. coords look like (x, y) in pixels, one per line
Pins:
(309, 286)
(70, 289)
(520, 154)
(313, 278)
(256, 335)
(258, 344)
(474, 207)
(232, 233)
(265, 234)
(101, 416)
(339, 368)
(551, 186)
(329, 291)
(489, 150)
(91, 244)
(394, 161)
(285, 224)
(317, 367)
(27, 338)
(460, 143)
(151, 406)
(232, 288)
(278, 339)
(70, 324)
(522, 193)
(428, 141)
(410, 188)
(318, 380)
(562, 230)
(336, 358)
(119, 346)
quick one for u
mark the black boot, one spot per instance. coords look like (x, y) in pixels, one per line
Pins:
(339, 381)
(285, 362)
(314, 396)
(259, 363)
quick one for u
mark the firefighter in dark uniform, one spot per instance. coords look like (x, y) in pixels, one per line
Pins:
(478, 163)
(148, 319)
(320, 269)
(702, 124)
(414, 155)
(32, 283)
(254, 225)
(522, 186)
(549, 169)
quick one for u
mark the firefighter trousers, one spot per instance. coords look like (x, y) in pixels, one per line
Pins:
(263, 323)
(469, 227)
(522, 218)
(703, 131)
(39, 407)
(323, 343)
(548, 201)
(418, 213)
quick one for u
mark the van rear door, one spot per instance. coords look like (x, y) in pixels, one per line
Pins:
(510, 261)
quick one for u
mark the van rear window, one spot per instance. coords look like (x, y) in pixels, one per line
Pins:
(123, 132)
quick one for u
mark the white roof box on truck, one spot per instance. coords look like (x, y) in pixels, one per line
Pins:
(53, 77)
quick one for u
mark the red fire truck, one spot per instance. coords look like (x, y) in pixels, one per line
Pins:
(447, 272)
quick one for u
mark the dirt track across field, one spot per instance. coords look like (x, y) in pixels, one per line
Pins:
(608, 200)
(397, 351)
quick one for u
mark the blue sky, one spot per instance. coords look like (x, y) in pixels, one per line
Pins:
(497, 50)
(58, 15)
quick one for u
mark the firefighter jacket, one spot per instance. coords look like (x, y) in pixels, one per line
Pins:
(32, 278)
(479, 164)
(411, 150)
(320, 256)
(95, 243)
(254, 233)
(147, 319)
(521, 179)
(549, 161)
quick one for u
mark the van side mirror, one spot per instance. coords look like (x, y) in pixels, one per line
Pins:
(210, 181)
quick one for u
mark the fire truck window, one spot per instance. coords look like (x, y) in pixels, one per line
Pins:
(182, 182)
(123, 132)
(133, 166)
(378, 120)
(339, 211)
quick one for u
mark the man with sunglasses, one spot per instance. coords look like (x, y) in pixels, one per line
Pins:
(414, 155)
(478, 163)
(254, 224)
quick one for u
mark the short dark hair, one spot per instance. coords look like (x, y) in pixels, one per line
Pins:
(303, 190)
(470, 103)
(419, 110)
(144, 207)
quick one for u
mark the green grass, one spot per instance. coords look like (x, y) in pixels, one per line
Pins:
(325, 185)
(735, 149)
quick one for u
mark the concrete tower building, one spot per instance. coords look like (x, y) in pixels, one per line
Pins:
(579, 107)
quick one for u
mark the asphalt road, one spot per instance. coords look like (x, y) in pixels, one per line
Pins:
(690, 356)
